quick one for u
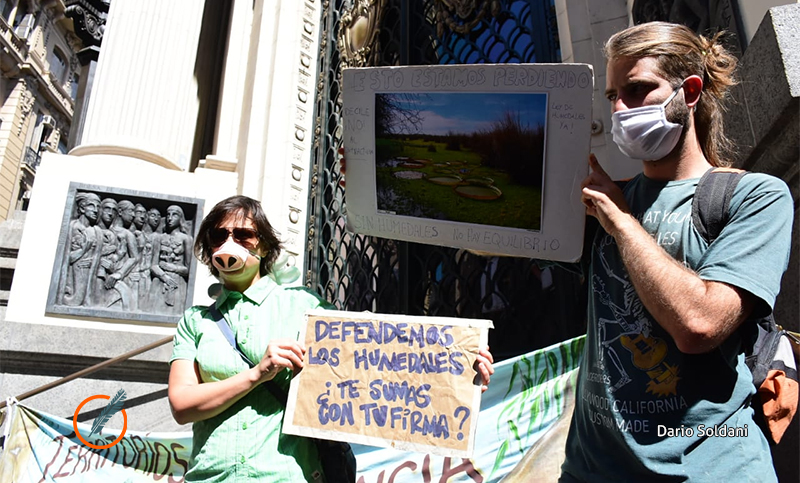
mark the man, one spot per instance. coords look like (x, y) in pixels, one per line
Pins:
(139, 217)
(140, 276)
(117, 258)
(664, 361)
(128, 254)
(82, 249)
(153, 221)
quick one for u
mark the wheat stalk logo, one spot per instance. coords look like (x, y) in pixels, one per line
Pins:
(111, 409)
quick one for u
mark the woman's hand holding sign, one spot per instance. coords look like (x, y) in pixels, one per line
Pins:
(483, 365)
(281, 354)
(484, 360)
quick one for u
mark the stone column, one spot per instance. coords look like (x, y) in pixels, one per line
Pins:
(234, 77)
(583, 27)
(145, 102)
(88, 60)
(274, 146)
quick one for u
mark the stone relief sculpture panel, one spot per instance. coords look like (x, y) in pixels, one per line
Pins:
(124, 255)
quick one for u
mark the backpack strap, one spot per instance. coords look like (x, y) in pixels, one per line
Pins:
(712, 199)
(337, 458)
(768, 352)
(276, 391)
(227, 332)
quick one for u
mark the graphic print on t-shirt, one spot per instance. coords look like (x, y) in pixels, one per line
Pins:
(646, 351)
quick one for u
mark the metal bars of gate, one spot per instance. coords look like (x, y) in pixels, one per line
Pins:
(531, 306)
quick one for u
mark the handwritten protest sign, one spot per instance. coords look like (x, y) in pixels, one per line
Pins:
(389, 380)
(483, 157)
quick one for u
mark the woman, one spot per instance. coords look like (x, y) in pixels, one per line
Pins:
(237, 421)
(171, 259)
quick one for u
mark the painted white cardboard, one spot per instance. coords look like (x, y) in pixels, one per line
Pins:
(416, 173)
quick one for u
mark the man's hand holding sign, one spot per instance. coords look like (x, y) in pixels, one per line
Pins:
(390, 380)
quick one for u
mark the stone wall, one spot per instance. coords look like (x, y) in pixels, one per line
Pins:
(765, 123)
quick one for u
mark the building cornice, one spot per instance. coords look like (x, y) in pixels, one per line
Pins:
(52, 91)
(89, 19)
(12, 44)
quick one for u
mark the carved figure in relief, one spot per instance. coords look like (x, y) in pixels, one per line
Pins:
(141, 272)
(152, 228)
(154, 221)
(128, 254)
(117, 257)
(172, 251)
(82, 241)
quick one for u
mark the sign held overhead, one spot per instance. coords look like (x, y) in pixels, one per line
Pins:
(483, 157)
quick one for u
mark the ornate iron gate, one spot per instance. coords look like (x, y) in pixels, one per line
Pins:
(531, 307)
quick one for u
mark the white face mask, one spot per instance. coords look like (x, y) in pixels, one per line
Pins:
(644, 132)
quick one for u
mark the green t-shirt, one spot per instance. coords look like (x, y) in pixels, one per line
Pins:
(643, 408)
(244, 443)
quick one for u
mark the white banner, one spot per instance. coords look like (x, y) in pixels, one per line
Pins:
(521, 431)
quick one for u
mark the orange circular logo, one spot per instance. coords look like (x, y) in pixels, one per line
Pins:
(75, 424)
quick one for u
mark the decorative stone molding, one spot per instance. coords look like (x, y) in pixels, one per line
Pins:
(26, 102)
(358, 32)
(48, 24)
(89, 19)
(217, 162)
(461, 16)
(130, 152)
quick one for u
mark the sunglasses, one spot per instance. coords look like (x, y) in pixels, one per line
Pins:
(218, 236)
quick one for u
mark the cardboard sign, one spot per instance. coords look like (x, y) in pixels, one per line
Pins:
(483, 157)
(389, 380)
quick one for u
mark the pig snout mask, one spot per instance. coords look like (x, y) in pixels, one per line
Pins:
(230, 257)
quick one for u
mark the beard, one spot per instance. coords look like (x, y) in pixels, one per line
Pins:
(678, 112)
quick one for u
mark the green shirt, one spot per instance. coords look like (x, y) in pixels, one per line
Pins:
(244, 442)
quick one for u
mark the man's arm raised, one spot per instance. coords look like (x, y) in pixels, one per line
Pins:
(698, 314)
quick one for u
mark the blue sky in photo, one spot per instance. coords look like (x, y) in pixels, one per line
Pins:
(468, 112)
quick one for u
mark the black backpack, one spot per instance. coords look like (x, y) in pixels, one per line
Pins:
(770, 351)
